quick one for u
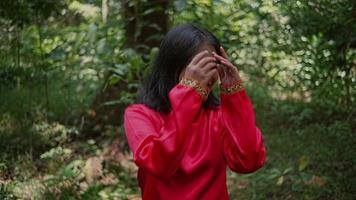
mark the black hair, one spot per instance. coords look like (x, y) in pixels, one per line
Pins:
(177, 49)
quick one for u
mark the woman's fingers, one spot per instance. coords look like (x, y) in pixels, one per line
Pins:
(210, 73)
(223, 53)
(218, 57)
(221, 70)
(224, 62)
(227, 64)
(199, 56)
(204, 61)
(209, 67)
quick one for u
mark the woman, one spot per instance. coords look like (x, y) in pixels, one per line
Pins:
(182, 139)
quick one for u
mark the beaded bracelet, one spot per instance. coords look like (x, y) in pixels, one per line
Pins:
(232, 88)
(203, 92)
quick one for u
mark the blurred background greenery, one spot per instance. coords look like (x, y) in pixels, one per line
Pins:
(68, 69)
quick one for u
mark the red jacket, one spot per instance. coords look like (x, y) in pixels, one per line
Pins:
(183, 155)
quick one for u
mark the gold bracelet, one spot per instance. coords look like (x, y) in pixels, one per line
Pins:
(195, 84)
(232, 88)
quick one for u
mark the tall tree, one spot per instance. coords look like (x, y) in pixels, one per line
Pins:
(145, 24)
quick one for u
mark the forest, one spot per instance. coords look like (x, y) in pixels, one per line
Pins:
(68, 69)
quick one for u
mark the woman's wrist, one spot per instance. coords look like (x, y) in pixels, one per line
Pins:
(202, 91)
(231, 88)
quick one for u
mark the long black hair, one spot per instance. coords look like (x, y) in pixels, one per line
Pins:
(177, 49)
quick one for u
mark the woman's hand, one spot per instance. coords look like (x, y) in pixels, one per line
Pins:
(228, 72)
(202, 68)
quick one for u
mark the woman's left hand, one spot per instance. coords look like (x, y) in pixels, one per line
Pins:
(228, 72)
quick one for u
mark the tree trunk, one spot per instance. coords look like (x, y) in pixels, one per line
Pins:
(105, 10)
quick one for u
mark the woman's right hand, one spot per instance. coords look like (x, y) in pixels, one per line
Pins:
(202, 68)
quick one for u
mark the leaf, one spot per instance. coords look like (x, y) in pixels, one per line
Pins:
(92, 33)
(101, 45)
(93, 169)
(287, 170)
(111, 103)
(315, 180)
(280, 180)
(149, 11)
(109, 179)
(243, 184)
(303, 162)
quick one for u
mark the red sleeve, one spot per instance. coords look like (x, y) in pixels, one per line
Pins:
(243, 147)
(160, 152)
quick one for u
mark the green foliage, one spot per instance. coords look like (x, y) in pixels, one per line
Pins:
(309, 152)
(27, 11)
(5, 194)
(290, 47)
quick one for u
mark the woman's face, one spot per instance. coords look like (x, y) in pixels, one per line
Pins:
(215, 77)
